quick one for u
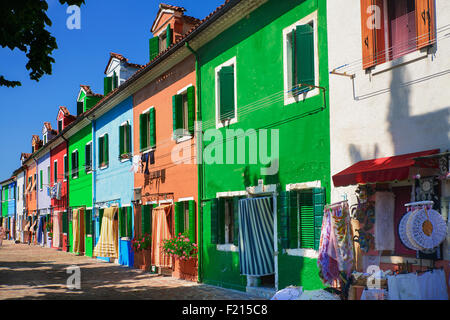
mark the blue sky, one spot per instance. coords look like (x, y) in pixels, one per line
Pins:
(106, 26)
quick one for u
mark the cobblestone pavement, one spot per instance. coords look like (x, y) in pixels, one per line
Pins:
(33, 272)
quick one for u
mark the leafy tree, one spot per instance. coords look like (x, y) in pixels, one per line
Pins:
(22, 26)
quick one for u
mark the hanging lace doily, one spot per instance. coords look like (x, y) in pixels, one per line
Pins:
(402, 232)
(417, 234)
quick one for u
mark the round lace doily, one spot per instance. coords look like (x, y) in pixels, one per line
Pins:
(402, 232)
(416, 234)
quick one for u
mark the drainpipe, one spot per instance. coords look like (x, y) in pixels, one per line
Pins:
(199, 165)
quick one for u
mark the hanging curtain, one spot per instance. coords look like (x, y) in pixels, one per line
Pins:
(384, 221)
(56, 229)
(161, 231)
(40, 231)
(256, 245)
(107, 245)
(78, 230)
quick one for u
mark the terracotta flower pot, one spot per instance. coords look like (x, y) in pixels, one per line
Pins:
(142, 259)
(186, 269)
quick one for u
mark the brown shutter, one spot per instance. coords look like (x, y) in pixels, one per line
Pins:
(425, 23)
(380, 46)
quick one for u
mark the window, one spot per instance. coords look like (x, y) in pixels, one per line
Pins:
(45, 138)
(185, 219)
(55, 171)
(49, 178)
(226, 97)
(300, 62)
(125, 222)
(66, 167)
(147, 129)
(60, 125)
(103, 151)
(75, 165)
(183, 109)
(41, 179)
(224, 220)
(124, 140)
(301, 213)
(394, 28)
(88, 157)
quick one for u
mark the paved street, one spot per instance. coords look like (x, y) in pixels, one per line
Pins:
(33, 272)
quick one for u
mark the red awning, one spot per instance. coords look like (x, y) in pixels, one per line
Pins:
(380, 170)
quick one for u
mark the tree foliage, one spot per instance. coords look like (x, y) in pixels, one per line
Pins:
(23, 24)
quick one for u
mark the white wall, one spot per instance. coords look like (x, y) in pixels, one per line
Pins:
(390, 110)
(20, 197)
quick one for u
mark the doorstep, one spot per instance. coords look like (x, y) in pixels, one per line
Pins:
(261, 292)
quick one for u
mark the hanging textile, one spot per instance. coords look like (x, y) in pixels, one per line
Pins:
(340, 242)
(107, 245)
(432, 285)
(384, 221)
(328, 267)
(58, 191)
(256, 244)
(404, 287)
(40, 231)
(56, 229)
(76, 226)
(161, 231)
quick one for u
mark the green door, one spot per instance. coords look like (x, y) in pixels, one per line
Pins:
(88, 242)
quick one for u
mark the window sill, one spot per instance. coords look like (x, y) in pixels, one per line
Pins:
(225, 123)
(184, 138)
(104, 167)
(125, 159)
(407, 58)
(144, 151)
(229, 247)
(290, 98)
(307, 253)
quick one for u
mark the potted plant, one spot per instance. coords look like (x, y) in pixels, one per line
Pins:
(184, 250)
(142, 249)
(49, 228)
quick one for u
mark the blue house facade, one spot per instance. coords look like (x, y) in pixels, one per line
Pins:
(114, 177)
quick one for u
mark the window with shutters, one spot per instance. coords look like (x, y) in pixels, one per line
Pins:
(226, 93)
(300, 60)
(103, 151)
(60, 125)
(147, 129)
(228, 221)
(88, 157)
(183, 108)
(49, 178)
(301, 213)
(41, 180)
(75, 165)
(225, 222)
(391, 29)
(125, 141)
(185, 218)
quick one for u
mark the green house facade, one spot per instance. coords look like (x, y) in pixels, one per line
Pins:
(264, 84)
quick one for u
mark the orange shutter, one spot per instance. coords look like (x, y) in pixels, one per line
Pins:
(380, 46)
(425, 23)
(368, 35)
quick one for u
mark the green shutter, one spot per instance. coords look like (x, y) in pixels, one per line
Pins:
(288, 212)
(214, 220)
(100, 217)
(236, 220)
(175, 100)
(49, 179)
(305, 54)
(107, 85)
(152, 125)
(191, 108)
(121, 140)
(129, 222)
(90, 101)
(122, 222)
(179, 219)
(146, 219)
(100, 151)
(226, 93)
(169, 35)
(221, 221)
(115, 80)
(65, 221)
(88, 222)
(106, 149)
(293, 52)
(66, 168)
(192, 220)
(154, 47)
(143, 131)
(319, 201)
(41, 177)
(79, 107)
(128, 149)
(73, 164)
(306, 219)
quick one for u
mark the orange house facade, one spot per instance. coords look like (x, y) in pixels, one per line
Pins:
(165, 151)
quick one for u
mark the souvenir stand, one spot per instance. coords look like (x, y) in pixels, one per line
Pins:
(399, 230)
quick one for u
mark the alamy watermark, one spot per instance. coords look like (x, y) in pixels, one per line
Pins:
(374, 19)
(74, 280)
(232, 146)
(74, 20)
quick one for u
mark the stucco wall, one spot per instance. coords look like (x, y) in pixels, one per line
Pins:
(31, 196)
(58, 154)
(20, 195)
(388, 111)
